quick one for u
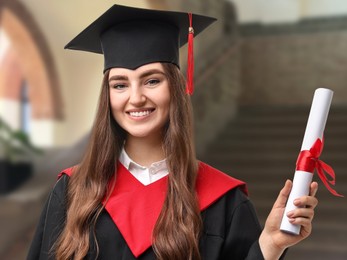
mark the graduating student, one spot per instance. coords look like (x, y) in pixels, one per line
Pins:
(139, 192)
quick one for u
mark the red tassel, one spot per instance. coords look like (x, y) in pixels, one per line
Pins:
(190, 63)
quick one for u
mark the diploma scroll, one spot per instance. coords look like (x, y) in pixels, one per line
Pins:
(314, 130)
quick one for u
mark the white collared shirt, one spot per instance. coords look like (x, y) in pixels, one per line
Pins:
(145, 175)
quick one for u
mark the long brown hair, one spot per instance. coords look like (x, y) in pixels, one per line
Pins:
(176, 233)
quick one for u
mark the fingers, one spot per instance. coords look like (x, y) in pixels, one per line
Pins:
(301, 221)
(309, 201)
(283, 195)
(304, 212)
(306, 202)
(313, 188)
(302, 217)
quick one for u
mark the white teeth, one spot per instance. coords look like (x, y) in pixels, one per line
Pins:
(139, 114)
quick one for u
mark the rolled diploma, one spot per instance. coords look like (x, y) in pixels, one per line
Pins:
(314, 129)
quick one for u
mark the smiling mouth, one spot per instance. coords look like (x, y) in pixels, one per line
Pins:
(140, 113)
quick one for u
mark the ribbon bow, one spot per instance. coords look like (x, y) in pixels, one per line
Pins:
(308, 161)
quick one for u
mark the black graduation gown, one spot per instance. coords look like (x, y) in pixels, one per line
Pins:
(230, 230)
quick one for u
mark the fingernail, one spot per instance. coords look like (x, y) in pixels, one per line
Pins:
(290, 214)
(296, 201)
(291, 220)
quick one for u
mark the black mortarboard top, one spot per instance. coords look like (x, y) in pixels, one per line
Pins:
(131, 37)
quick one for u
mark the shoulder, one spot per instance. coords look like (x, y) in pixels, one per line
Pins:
(210, 177)
(51, 222)
(232, 202)
(68, 171)
(60, 188)
(213, 184)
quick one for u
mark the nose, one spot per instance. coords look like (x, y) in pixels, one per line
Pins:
(137, 97)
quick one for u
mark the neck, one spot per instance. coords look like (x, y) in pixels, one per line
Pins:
(145, 151)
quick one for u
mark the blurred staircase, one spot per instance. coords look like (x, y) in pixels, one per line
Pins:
(260, 146)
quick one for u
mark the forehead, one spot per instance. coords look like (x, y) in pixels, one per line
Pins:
(152, 67)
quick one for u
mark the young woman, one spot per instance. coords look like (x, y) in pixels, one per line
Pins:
(139, 192)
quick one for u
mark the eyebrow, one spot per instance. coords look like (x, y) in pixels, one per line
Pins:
(143, 75)
(151, 72)
(118, 77)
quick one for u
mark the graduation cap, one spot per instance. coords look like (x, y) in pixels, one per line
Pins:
(130, 37)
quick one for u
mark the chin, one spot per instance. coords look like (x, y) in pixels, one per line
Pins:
(139, 134)
(145, 133)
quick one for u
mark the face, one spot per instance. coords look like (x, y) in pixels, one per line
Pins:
(140, 99)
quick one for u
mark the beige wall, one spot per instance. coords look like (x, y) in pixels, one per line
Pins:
(275, 11)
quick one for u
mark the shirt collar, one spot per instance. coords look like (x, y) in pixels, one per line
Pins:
(155, 167)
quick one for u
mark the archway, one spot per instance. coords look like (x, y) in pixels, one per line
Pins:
(29, 58)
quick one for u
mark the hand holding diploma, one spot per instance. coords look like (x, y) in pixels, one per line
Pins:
(272, 240)
(296, 201)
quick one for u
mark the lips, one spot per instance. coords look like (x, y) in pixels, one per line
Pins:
(140, 113)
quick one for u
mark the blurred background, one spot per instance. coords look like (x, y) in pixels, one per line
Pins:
(256, 70)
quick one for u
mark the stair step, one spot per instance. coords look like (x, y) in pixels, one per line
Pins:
(316, 253)
(256, 118)
(271, 142)
(261, 154)
(276, 133)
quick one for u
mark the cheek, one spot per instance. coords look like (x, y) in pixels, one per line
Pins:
(164, 104)
(165, 101)
(167, 105)
(116, 105)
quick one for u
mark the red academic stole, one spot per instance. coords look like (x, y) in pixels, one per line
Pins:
(135, 208)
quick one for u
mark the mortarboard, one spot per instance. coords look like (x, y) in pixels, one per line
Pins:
(130, 37)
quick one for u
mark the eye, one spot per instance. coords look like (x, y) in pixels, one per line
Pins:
(152, 82)
(118, 86)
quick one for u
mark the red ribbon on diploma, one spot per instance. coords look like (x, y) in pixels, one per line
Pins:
(308, 161)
